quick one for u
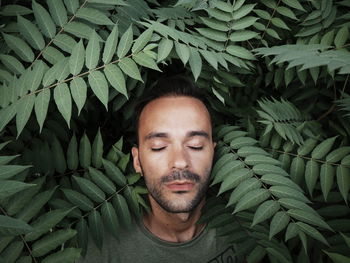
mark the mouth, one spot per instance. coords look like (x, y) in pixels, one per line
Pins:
(181, 186)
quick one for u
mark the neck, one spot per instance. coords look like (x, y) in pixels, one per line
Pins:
(173, 227)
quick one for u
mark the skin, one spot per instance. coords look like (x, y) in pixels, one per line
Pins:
(174, 154)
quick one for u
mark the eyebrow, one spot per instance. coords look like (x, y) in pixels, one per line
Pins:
(153, 135)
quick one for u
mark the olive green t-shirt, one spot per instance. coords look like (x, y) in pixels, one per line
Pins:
(139, 245)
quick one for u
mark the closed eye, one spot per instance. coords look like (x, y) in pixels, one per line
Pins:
(157, 149)
(196, 148)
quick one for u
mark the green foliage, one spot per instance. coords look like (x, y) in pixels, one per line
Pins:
(275, 74)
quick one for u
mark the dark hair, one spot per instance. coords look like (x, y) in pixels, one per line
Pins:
(168, 87)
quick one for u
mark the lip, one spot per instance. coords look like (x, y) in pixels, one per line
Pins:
(181, 186)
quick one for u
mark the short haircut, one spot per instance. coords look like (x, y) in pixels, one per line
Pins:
(168, 87)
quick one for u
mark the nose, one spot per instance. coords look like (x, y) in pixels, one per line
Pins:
(179, 159)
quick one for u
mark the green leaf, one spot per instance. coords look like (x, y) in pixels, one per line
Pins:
(265, 211)
(8, 171)
(276, 179)
(323, 148)
(294, 4)
(291, 203)
(92, 51)
(242, 35)
(240, 52)
(307, 146)
(129, 67)
(327, 174)
(78, 89)
(102, 181)
(66, 255)
(195, 62)
(114, 173)
(31, 33)
(248, 150)
(343, 181)
(99, 86)
(58, 12)
(6, 115)
(45, 222)
(210, 57)
(52, 241)
(164, 49)
(41, 106)
(308, 217)
(97, 150)
(276, 254)
(281, 191)
(62, 69)
(263, 169)
(257, 159)
(312, 173)
(256, 255)
(59, 159)
(90, 189)
(72, 154)
(212, 34)
(218, 14)
(142, 40)
(125, 43)
(80, 30)
(183, 51)
(242, 141)
(63, 101)
(110, 45)
(94, 16)
(20, 47)
(215, 24)
(64, 42)
(12, 64)
(35, 205)
(95, 226)
(17, 202)
(72, 5)
(328, 38)
(297, 169)
(7, 159)
(251, 199)
(78, 199)
(338, 154)
(341, 37)
(116, 78)
(83, 235)
(279, 221)
(225, 170)
(13, 251)
(244, 23)
(24, 110)
(85, 152)
(243, 188)
(312, 232)
(145, 60)
(122, 210)
(234, 179)
(13, 10)
(337, 258)
(110, 219)
(36, 75)
(9, 188)
(279, 23)
(76, 60)
(285, 11)
(242, 11)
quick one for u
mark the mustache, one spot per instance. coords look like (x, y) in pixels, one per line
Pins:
(180, 175)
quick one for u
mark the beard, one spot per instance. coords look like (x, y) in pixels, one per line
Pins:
(179, 203)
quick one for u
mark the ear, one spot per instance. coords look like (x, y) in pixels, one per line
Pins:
(136, 160)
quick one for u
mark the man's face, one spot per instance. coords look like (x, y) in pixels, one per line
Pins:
(175, 151)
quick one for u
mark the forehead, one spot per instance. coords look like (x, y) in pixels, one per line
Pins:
(174, 115)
